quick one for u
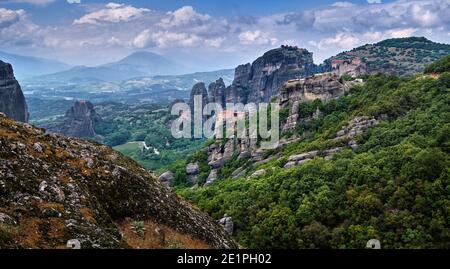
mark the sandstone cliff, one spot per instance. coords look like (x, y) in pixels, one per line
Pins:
(12, 100)
(57, 191)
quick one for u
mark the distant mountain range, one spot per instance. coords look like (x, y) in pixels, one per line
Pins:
(26, 66)
(138, 64)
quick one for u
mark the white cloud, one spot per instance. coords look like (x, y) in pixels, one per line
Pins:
(398, 33)
(9, 17)
(256, 37)
(74, 1)
(164, 39)
(215, 42)
(341, 40)
(183, 16)
(374, 1)
(112, 13)
(342, 4)
(324, 30)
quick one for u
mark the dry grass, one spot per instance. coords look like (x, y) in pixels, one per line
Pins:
(151, 239)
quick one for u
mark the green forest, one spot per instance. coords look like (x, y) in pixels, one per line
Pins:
(395, 187)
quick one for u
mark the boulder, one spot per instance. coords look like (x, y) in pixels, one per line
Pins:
(166, 178)
(258, 173)
(192, 169)
(227, 223)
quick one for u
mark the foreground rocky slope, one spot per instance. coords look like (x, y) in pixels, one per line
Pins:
(12, 101)
(54, 189)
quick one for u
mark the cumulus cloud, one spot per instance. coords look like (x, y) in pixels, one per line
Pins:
(112, 12)
(325, 30)
(342, 40)
(184, 16)
(342, 4)
(256, 37)
(163, 39)
(374, 1)
(9, 17)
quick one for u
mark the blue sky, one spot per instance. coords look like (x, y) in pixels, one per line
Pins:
(209, 34)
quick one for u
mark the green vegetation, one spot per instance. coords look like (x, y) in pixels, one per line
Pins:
(142, 132)
(413, 42)
(395, 187)
(441, 66)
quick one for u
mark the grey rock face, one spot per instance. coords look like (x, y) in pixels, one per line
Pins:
(227, 223)
(216, 92)
(166, 178)
(259, 81)
(79, 121)
(355, 127)
(198, 89)
(258, 173)
(12, 100)
(322, 86)
(211, 177)
(192, 171)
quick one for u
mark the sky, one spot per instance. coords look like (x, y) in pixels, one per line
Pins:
(209, 34)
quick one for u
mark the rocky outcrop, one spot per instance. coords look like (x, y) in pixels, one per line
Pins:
(324, 87)
(212, 177)
(79, 192)
(198, 89)
(12, 100)
(260, 81)
(166, 178)
(79, 121)
(355, 127)
(192, 171)
(216, 92)
(227, 223)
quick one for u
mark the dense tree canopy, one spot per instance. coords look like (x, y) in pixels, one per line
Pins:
(395, 187)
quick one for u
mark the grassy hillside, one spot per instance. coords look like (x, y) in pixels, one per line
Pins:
(394, 187)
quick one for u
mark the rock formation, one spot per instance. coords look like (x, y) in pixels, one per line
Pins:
(324, 87)
(12, 100)
(192, 171)
(321, 86)
(216, 92)
(166, 178)
(227, 223)
(78, 192)
(198, 89)
(259, 81)
(355, 127)
(79, 121)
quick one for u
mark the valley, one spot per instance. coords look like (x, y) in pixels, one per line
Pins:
(363, 154)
